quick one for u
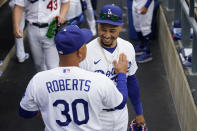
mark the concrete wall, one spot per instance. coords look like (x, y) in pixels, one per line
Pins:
(180, 90)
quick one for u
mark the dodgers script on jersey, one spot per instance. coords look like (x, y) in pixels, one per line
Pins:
(47, 9)
(100, 60)
(70, 98)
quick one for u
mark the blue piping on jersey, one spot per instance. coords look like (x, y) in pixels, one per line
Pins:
(134, 94)
(27, 114)
(111, 50)
(148, 3)
(122, 87)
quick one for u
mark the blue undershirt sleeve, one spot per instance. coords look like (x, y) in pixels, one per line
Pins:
(122, 87)
(148, 3)
(134, 94)
(27, 114)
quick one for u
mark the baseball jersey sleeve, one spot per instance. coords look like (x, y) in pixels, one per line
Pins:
(64, 1)
(28, 101)
(132, 64)
(19, 2)
(111, 96)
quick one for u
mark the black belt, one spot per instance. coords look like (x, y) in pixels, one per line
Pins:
(108, 110)
(40, 25)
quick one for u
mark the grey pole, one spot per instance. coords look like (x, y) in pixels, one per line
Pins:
(191, 8)
(185, 36)
(177, 14)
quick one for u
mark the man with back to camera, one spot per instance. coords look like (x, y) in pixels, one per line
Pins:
(101, 52)
(68, 97)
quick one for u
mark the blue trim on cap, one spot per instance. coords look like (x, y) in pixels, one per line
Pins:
(118, 23)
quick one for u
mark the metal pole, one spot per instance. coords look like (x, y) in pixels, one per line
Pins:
(194, 53)
(185, 36)
(177, 14)
(171, 4)
(191, 8)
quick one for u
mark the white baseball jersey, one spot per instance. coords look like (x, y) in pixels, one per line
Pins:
(100, 60)
(42, 11)
(43, 49)
(142, 22)
(70, 98)
(74, 10)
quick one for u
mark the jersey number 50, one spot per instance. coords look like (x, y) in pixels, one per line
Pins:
(74, 111)
(52, 5)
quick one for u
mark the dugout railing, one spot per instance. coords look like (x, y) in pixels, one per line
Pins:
(185, 10)
(182, 81)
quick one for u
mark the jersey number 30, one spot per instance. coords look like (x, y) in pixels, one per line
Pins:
(52, 5)
(74, 111)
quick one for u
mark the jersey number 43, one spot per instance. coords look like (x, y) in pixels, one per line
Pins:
(65, 112)
(52, 5)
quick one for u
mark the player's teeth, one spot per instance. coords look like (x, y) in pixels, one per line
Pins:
(106, 39)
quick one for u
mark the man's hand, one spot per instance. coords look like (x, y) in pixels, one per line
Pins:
(122, 65)
(140, 120)
(144, 10)
(61, 20)
(18, 33)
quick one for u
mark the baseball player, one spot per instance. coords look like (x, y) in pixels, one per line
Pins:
(75, 15)
(100, 55)
(89, 13)
(68, 97)
(39, 14)
(20, 51)
(142, 11)
(94, 6)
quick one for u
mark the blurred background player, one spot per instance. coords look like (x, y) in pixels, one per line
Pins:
(76, 12)
(69, 97)
(39, 14)
(142, 11)
(94, 6)
(101, 52)
(19, 42)
(89, 13)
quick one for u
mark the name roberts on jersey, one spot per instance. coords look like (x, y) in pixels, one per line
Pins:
(68, 85)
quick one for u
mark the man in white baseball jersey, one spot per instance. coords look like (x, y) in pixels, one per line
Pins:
(142, 11)
(101, 52)
(75, 14)
(68, 97)
(20, 50)
(89, 14)
(39, 13)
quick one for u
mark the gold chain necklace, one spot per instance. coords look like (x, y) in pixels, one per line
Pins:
(115, 53)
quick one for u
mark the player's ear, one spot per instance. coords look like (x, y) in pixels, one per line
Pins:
(121, 27)
(81, 53)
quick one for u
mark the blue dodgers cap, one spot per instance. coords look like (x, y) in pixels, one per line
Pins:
(70, 38)
(110, 14)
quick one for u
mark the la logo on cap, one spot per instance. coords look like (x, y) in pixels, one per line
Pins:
(109, 12)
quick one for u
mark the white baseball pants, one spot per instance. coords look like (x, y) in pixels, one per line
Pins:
(43, 49)
(142, 22)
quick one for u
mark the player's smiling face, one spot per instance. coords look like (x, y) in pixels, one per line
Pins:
(108, 34)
